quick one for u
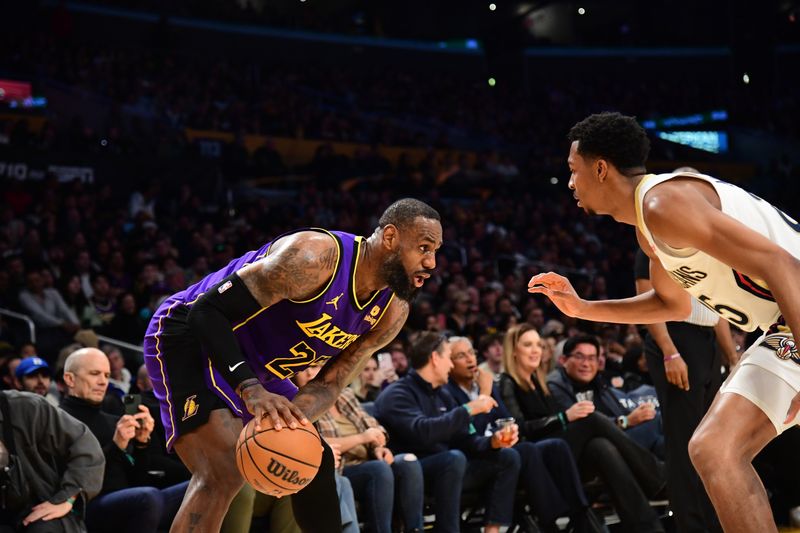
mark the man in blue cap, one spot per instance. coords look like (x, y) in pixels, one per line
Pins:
(33, 375)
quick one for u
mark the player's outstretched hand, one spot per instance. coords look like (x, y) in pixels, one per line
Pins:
(559, 290)
(279, 409)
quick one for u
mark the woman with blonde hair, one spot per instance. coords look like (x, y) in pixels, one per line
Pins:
(630, 472)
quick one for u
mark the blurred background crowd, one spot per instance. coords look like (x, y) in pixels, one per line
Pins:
(157, 141)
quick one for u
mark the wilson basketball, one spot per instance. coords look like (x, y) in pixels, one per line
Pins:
(278, 463)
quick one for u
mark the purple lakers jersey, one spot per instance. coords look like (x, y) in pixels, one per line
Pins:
(285, 338)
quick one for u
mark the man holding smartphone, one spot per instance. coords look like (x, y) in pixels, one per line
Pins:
(125, 502)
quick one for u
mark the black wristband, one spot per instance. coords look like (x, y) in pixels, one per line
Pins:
(213, 317)
(243, 387)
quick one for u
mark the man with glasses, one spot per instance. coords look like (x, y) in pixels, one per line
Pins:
(548, 473)
(423, 418)
(578, 379)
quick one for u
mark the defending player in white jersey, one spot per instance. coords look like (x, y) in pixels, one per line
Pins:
(735, 253)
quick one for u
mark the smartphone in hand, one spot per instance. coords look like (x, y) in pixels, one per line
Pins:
(132, 403)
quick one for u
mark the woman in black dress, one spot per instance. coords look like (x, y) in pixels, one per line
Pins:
(631, 473)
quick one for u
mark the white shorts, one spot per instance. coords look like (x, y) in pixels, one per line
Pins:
(768, 375)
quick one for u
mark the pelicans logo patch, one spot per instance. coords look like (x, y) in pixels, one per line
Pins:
(784, 346)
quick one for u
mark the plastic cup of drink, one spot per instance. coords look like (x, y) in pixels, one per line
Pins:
(503, 426)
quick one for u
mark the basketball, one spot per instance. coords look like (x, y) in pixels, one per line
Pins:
(278, 463)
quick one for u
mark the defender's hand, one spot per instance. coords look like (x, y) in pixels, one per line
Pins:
(559, 290)
(279, 409)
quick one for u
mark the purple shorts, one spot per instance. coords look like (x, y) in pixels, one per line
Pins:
(186, 384)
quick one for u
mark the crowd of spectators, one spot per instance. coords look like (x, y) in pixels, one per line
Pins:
(105, 260)
(82, 259)
(387, 105)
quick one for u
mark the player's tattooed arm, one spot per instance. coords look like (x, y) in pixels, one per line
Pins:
(297, 267)
(320, 394)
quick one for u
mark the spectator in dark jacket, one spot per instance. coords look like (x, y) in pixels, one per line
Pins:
(126, 502)
(630, 472)
(424, 419)
(57, 465)
(578, 378)
(549, 473)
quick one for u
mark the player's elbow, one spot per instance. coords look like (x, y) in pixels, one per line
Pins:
(683, 309)
(678, 309)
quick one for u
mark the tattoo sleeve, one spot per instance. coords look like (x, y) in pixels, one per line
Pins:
(297, 269)
(320, 394)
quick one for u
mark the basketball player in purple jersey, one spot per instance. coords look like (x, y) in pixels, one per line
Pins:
(223, 350)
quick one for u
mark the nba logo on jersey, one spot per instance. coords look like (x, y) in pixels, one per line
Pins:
(224, 287)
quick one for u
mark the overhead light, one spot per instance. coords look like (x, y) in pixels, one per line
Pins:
(492, 82)
(581, 11)
(492, 7)
(746, 78)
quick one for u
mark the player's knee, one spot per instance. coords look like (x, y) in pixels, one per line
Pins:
(705, 452)
(222, 482)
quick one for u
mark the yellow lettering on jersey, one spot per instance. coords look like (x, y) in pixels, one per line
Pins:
(338, 338)
(306, 325)
(323, 330)
(319, 331)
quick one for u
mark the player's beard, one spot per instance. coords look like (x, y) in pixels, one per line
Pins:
(398, 280)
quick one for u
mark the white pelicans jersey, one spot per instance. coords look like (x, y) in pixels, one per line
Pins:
(743, 301)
